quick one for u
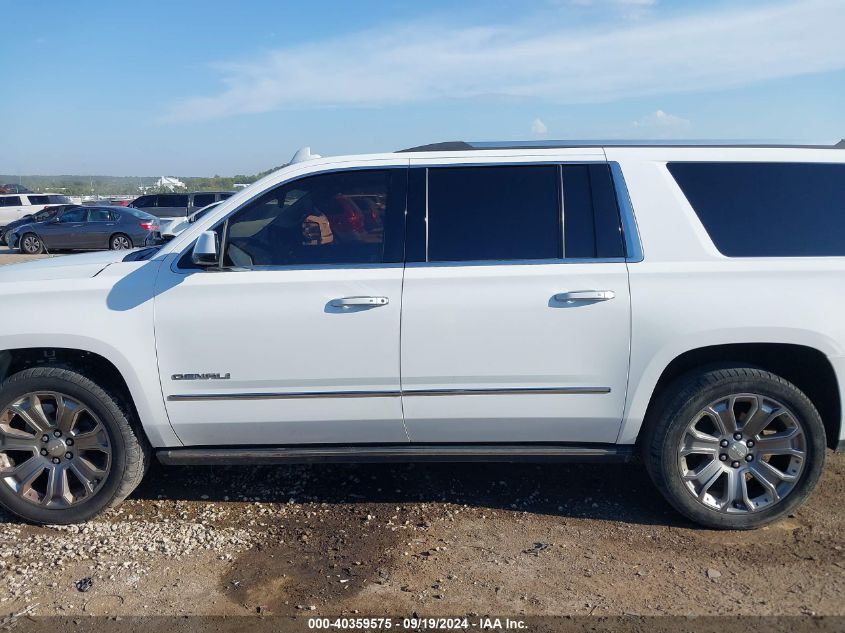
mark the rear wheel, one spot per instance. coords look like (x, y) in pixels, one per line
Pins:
(119, 242)
(31, 244)
(734, 448)
(67, 450)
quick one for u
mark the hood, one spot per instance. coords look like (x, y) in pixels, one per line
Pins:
(61, 267)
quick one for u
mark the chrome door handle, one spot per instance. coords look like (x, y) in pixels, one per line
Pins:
(349, 302)
(585, 295)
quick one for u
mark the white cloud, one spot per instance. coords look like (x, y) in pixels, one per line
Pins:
(422, 62)
(662, 124)
(538, 128)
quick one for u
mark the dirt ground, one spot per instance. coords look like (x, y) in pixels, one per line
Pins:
(438, 539)
(432, 539)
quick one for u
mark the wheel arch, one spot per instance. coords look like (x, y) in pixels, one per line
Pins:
(112, 372)
(806, 367)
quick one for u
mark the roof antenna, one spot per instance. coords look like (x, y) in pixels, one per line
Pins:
(840, 144)
(303, 154)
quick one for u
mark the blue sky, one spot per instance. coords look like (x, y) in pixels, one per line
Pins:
(221, 87)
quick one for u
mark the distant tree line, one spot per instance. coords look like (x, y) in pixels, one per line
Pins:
(125, 185)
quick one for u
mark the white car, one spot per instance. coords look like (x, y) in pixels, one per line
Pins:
(170, 228)
(13, 206)
(677, 304)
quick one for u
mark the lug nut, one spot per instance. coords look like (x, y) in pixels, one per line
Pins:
(57, 433)
(68, 455)
(43, 451)
(749, 458)
(56, 460)
(45, 438)
(750, 443)
(723, 457)
(723, 443)
(735, 464)
(69, 442)
(737, 436)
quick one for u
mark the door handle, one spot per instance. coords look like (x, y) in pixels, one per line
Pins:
(585, 295)
(349, 302)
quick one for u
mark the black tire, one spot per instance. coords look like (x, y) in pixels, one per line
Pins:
(676, 407)
(116, 242)
(130, 451)
(30, 244)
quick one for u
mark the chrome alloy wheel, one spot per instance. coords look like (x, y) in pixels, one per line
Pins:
(742, 453)
(120, 242)
(31, 243)
(54, 451)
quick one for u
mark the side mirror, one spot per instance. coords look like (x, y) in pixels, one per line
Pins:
(205, 251)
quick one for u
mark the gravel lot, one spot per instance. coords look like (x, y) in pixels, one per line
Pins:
(433, 539)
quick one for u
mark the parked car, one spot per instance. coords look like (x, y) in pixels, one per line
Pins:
(13, 188)
(177, 205)
(15, 206)
(602, 302)
(171, 228)
(45, 214)
(87, 228)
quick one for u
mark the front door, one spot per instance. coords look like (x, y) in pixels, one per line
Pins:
(516, 321)
(65, 231)
(295, 339)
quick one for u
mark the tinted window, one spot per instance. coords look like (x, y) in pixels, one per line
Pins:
(336, 218)
(173, 200)
(74, 215)
(39, 199)
(590, 214)
(768, 209)
(203, 199)
(10, 201)
(99, 215)
(55, 199)
(223, 196)
(494, 213)
(144, 202)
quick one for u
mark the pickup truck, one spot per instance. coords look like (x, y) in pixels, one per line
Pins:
(675, 305)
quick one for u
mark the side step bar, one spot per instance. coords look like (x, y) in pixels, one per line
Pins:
(262, 455)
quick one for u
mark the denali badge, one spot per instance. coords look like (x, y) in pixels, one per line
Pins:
(201, 376)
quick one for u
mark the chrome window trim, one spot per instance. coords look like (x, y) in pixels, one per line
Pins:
(630, 230)
(389, 394)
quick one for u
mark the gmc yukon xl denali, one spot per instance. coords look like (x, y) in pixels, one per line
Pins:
(681, 305)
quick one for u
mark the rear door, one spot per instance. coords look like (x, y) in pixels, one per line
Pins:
(98, 228)
(515, 310)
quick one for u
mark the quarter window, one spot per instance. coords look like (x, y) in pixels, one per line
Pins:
(768, 209)
(335, 218)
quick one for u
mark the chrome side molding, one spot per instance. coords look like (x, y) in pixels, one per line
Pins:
(283, 395)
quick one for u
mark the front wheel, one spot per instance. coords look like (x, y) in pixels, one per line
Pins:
(67, 450)
(120, 242)
(734, 448)
(31, 244)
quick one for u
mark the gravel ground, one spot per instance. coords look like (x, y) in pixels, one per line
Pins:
(431, 539)
(438, 539)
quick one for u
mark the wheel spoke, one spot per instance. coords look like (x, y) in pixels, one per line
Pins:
(87, 471)
(705, 476)
(723, 415)
(27, 472)
(759, 420)
(58, 490)
(14, 440)
(736, 491)
(35, 421)
(700, 444)
(91, 440)
(767, 477)
(780, 444)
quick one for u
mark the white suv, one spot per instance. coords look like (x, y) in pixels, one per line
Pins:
(14, 206)
(453, 302)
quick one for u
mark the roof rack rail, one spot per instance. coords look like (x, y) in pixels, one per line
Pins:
(459, 146)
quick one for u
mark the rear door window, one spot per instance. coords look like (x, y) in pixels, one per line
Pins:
(203, 199)
(590, 212)
(10, 201)
(99, 215)
(39, 199)
(172, 200)
(494, 213)
(768, 209)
